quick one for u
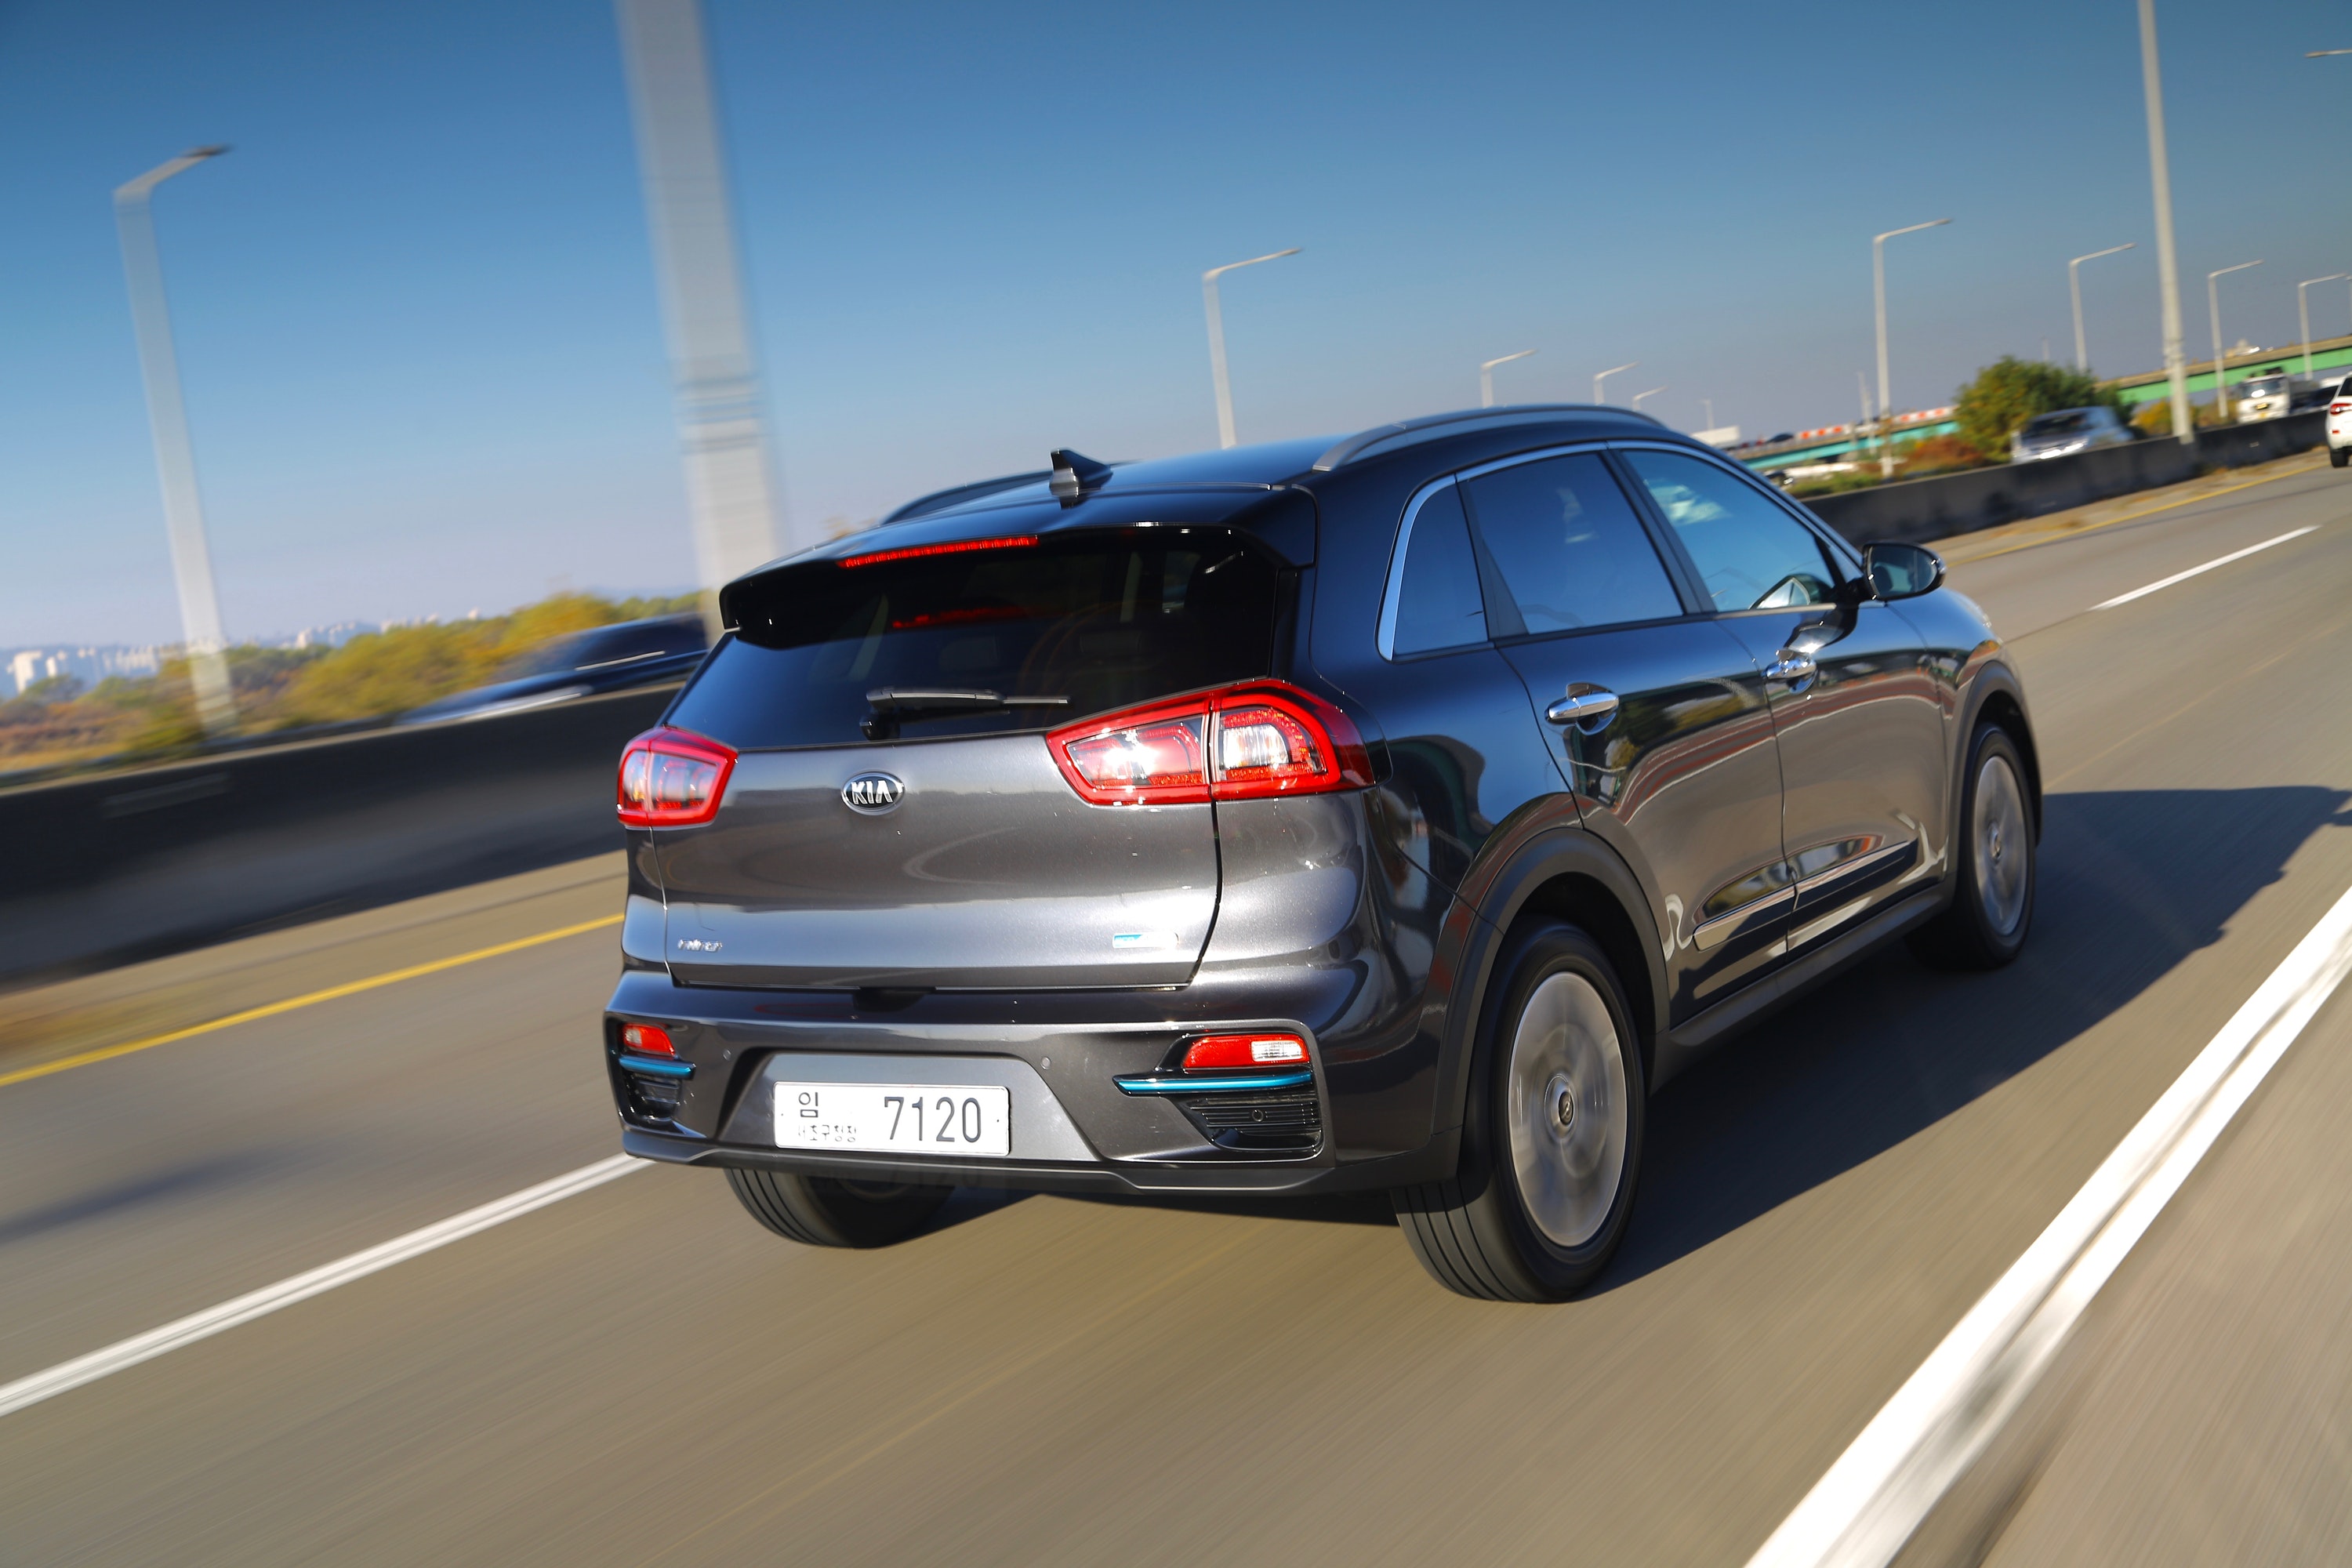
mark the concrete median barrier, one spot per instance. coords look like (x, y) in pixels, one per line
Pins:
(1916, 510)
(121, 865)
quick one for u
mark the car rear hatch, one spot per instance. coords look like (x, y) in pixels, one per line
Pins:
(894, 817)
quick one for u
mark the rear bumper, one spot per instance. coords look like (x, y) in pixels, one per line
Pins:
(1061, 1057)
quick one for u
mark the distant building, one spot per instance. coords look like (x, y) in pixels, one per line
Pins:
(31, 666)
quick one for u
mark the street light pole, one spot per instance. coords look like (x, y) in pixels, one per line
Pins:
(2168, 267)
(1878, 281)
(1487, 376)
(1709, 403)
(175, 461)
(1217, 339)
(2075, 288)
(730, 481)
(2213, 303)
(1605, 374)
(1639, 395)
(2303, 309)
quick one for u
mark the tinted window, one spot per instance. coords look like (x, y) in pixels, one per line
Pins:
(1104, 620)
(2056, 424)
(1567, 548)
(1437, 602)
(1750, 554)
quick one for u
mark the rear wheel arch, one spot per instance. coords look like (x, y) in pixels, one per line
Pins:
(1571, 876)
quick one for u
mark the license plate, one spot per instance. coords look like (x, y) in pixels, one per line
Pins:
(907, 1118)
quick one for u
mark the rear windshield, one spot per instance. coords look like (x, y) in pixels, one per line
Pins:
(2057, 424)
(831, 655)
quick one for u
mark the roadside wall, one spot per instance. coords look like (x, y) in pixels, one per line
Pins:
(116, 867)
(1916, 510)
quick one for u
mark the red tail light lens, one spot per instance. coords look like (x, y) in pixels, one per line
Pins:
(672, 778)
(1230, 1051)
(2338, 407)
(1240, 743)
(647, 1038)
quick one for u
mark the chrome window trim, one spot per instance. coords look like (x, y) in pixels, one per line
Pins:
(1386, 639)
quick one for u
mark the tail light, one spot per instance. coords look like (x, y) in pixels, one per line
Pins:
(1229, 1051)
(1243, 742)
(672, 778)
(2338, 407)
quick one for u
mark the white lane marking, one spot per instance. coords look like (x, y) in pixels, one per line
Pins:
(1863, 1509)
(187, 1331)
(2193, 571)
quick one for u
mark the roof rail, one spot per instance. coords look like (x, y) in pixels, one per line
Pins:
(1409, 432)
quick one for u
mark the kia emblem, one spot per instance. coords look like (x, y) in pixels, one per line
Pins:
(873, 793)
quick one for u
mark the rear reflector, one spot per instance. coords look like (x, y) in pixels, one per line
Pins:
(1226, 1052)
(1243, 743)
(672, 778)
(645, 1037)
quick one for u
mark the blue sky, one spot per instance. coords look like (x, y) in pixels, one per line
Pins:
(421, 344)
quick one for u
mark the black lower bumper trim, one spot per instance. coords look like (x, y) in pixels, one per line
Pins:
(1274, 1178)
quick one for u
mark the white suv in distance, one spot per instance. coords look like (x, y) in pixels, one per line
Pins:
(2339, 423)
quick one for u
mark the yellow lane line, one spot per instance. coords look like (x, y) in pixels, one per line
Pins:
(270, 1010)
(2132, 516)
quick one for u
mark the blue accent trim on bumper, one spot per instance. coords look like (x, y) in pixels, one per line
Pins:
(1199, 1083)
(659, 1066)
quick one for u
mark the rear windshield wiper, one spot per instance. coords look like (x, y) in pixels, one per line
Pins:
(891, 704)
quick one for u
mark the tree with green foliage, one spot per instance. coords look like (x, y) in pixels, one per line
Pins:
(2011, 390)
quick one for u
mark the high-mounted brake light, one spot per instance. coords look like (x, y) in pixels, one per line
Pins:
(673, 778)
(1230, 1051)
(647, 1038)
(960, 547)
(1243, 743)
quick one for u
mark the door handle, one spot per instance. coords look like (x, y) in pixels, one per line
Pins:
(1588, 708)
(1792, 665)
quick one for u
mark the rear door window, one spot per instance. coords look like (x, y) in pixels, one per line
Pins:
(1566, 549)
(1750, 554)
(1055, 629)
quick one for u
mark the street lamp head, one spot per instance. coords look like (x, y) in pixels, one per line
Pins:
(193, 154)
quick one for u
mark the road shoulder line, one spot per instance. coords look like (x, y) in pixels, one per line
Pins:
(187, 1331)
(1868, 1503)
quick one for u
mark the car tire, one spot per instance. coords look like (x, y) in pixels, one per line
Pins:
(1991, 911)
(1552, 1134)
(2339, 455)
(819, 1211)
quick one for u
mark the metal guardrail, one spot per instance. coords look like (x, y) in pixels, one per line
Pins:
(109, 868)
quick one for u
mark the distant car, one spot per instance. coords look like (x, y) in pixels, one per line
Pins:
(2274, 394)
(583, 664)
(2065, 431)
(2339, 423)
(2313, 394)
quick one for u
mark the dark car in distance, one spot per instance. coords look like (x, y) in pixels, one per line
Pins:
(1393, 812)
(580, 664)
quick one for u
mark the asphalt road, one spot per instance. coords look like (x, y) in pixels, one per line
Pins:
(638, 1374)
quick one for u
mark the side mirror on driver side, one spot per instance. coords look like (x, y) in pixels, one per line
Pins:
(1898, 571)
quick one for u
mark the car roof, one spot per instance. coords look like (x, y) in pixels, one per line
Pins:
(1216, 487)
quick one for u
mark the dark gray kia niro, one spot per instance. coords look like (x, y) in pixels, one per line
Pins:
(1390, 812)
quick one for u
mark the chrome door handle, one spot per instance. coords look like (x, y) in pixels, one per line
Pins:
(1588, 708)
(1792, 665)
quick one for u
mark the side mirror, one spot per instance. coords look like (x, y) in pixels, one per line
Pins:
(1900, 571)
